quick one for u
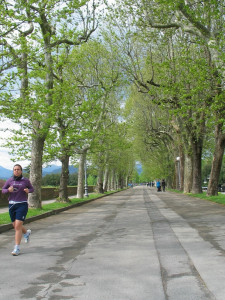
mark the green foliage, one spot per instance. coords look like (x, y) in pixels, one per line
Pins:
(135, 177)
(91, 180)
(73, 179)
(83, 108)
(206, 168)
(35, 45)
(51, 180)
(152, 136)
(174, 69)
(222, 173)
(172, 80)
(54, 179)
(143, 177)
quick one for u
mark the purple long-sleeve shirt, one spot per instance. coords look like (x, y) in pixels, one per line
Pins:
(18, 194)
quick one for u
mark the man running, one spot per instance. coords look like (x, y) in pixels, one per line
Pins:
(18, 188)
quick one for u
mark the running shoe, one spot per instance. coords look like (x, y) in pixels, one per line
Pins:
(16, 252)
(27, 236)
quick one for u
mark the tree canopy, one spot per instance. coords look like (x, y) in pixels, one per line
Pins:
(147, 85)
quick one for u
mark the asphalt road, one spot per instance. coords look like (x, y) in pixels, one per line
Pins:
(133, 245)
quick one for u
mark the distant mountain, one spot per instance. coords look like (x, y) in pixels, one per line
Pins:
(5, 173)
(53, 169)
(72, 169)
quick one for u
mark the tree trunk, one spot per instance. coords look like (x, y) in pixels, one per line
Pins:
(179, 171)
(177, 175)
(120, 181)
(197, 166)
(109, 187)
(34, 198)
(188, 170)
(212, 189)
(64, 178)
(113, 180)
(38, 140)
(106, 179)
(100, 181)
(182, 161)
(80, 184)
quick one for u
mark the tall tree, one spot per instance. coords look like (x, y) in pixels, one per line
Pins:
(192, 19)
(55, 23)
(205, 22)
(82, 106)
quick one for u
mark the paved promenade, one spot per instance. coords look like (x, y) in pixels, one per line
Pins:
(133, 245)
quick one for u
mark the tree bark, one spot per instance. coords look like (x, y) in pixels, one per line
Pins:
(179, 171)
(113, 181)
(197, 166)
(64, 178)
(212, 189)
(80, 184)
(34, 198)
(182, 160)
(106, 179)
(109, 187)
(100, 181)
(38, 141)
(188, 173)
(120, 181)
(177, 175)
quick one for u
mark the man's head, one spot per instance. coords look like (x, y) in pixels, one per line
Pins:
(17, 170)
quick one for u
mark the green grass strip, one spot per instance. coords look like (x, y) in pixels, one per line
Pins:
(5, 219)
(217, 199)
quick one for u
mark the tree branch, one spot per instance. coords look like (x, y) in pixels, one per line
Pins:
(183, 9)
(195, 27)
(160, 25)
(151, 82)
(64, 41)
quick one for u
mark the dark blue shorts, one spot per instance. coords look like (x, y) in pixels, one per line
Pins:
(18, 211)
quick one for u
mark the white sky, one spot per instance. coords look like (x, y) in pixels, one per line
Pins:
(5, 158)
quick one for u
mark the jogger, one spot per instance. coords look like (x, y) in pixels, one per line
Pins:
(18, 188)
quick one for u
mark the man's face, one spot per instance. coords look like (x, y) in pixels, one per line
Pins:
(17, 171)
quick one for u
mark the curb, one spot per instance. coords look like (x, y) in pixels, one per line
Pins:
(6, 227)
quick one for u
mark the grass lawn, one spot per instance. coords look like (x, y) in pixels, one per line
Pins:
(218, 199)
(5, 219)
